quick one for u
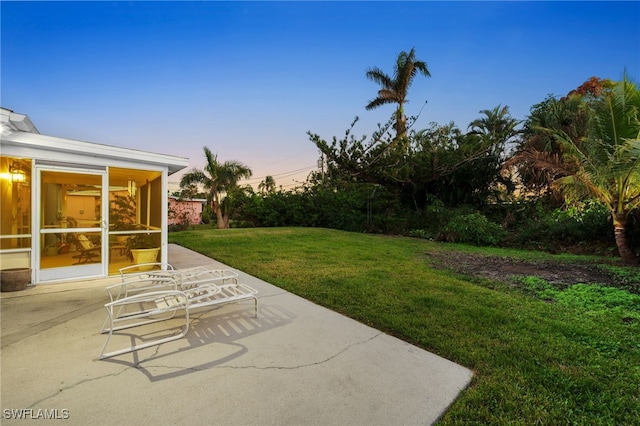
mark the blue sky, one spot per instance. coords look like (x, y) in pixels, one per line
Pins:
(249, 79)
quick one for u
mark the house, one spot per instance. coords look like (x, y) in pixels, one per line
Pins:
(68, 207)
(189, 209)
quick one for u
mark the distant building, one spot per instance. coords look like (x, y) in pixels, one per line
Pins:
(190, 208)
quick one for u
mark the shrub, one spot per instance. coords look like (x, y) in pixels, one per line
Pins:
(182, 225)
(540, 228)
(472, 228)
(420, 233)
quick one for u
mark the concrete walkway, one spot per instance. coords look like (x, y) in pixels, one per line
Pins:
(296, 364)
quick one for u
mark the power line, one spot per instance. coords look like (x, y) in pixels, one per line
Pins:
(281, 175)
(277, 175)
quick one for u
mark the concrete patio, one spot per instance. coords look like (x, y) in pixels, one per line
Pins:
(296, 364)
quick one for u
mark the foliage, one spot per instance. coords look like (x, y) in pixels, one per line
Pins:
(183, 223)
(594, 298)
(440, 161)
(141, 241)
(352, 207)
(534, 362)
(218, 179)
(604, 164)
(394, 88)
(122, 214)
(472, 228)
(207, 214)
(415, 185)
(628, 277)
(593, 87)
(538, 148)
(267, 185)
(543, 227)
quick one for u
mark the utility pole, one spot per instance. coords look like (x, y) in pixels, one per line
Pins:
(321, 164)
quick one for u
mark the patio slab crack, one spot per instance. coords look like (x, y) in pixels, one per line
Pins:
(145, 369)
(254, 367)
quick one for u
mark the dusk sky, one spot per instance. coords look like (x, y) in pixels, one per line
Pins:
(249, 79)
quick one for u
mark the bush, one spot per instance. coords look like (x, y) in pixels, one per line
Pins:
(472, 228)
(182, 225)
(549, 229)
(633, 231)
(421, 233)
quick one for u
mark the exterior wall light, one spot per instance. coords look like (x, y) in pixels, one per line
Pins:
(16, 172)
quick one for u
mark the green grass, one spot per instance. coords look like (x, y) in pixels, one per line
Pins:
(535, 361)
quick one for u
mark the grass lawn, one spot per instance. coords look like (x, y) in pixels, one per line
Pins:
(535, 361)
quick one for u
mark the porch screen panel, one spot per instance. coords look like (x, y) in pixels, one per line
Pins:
(15, 212)
(71, 218)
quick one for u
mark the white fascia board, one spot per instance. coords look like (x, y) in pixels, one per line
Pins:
(13, 121)
(90, 149)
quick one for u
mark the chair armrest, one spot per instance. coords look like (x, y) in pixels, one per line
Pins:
(194, 277)
(150, 296)
(150, 307)
(137, 285)
(131, 270)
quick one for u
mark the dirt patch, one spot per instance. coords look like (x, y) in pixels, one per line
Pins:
(558, 274)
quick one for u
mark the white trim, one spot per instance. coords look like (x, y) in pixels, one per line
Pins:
(12, 121)
(68, 272)
(164, 237)
(25, 144)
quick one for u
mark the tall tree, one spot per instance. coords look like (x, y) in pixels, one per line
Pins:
(217, 179)
(497, 127)
(267, 185)
(606, 163)
(569, 114)
(394, 88)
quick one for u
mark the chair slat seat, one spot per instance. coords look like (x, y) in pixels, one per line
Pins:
(158, 295)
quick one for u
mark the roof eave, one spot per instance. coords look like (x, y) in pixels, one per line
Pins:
(38, 141)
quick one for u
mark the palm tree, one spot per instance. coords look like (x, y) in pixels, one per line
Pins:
(570, 114)
(607, 160)
(394, 89)
(268, 185)
(217, 178)
(496, 128)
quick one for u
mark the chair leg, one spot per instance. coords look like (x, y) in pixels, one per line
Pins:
(132, 348)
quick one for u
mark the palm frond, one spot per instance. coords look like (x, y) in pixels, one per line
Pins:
(211, 165)
(378, 102)
(380, 77)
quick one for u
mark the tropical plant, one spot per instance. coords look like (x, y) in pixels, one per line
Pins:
(473, 228)
(122, 214)
(218, 179)
(497, 127)
(570, 114)
(141, 241)
(607, 161)
(394, 88)
(267, 185)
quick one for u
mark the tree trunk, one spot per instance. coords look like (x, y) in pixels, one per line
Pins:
(401, 122)
(215, 206)
(627, 255)
(219, 219)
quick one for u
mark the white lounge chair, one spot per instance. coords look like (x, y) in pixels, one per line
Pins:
(158, 295)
